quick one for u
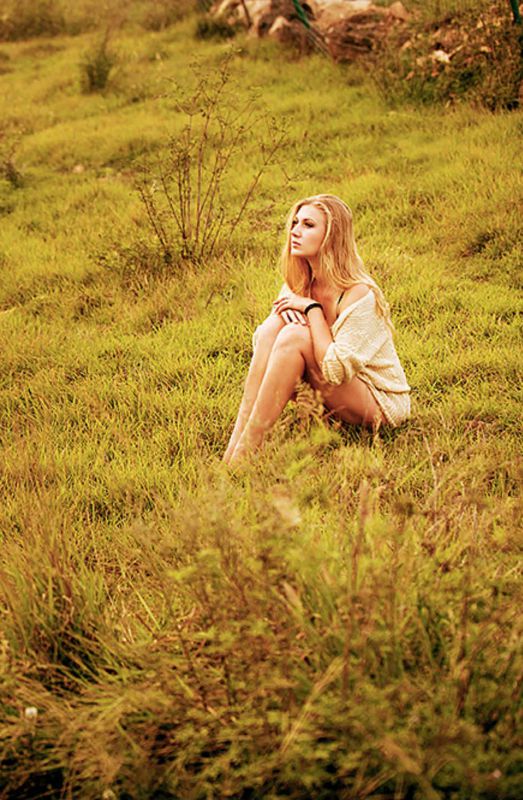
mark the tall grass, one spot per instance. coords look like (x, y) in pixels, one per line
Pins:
(434, 9)
(342, 618)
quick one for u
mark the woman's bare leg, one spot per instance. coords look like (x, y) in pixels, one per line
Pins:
(352, 402)
(291, 356)
(285, 366)
(267, 334)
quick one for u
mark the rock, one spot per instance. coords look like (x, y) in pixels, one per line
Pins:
(343, 6)
(346, 29)
(357, 32)
(398, 11)
(262, 13)
(78, 169)
(328, 12)
(265, 12)
(225, 10)
(441, 56)
(291, 33)
(354, 35)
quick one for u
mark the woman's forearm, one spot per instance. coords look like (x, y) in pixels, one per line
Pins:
(320, 334)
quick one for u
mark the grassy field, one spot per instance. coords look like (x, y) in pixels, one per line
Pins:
(342, 619)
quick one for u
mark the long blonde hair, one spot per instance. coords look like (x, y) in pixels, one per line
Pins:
(339, 260)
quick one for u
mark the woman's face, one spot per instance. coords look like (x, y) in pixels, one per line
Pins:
(307, 231)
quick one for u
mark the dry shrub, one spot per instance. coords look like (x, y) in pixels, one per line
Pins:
(467, 53)
(185, 193)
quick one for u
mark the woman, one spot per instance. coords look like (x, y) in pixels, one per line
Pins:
(330, 325)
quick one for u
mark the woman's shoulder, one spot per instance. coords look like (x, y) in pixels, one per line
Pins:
(353, 294)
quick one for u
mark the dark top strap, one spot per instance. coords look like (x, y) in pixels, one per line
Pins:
(337, 313)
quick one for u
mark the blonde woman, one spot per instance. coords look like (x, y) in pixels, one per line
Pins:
(330, 325)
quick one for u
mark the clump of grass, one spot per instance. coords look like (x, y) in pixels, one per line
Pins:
(5, 66)
(9, 143)
(240, 657)
(97, 66)
(160, 14)
(136, 263)
(211, 27)
(23, 19)
(436, 10)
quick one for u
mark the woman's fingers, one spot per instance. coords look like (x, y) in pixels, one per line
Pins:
(300, 318)
(293, 303)
(290, 316)
(283, 302)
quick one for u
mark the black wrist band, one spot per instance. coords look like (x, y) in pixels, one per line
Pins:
(312, 305)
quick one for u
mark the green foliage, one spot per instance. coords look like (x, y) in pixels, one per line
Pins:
(341, 618)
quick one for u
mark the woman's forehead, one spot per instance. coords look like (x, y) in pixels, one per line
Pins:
(310, 212)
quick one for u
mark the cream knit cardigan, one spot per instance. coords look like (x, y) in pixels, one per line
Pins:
(362, 345)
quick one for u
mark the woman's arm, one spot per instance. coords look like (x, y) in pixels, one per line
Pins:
(320, 333)
(362, 334)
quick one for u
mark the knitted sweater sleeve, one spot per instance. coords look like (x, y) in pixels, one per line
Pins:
(358, 337)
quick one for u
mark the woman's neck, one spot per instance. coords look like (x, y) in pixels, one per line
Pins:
(314, 271)
(319, 282)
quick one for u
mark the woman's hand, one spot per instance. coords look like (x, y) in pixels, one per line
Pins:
(294, 317)
(293, 302)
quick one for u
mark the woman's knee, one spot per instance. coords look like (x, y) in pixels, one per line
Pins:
(294, 336)
(268, 330)
(266, 333)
